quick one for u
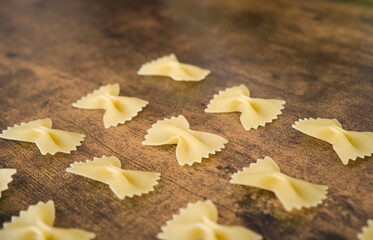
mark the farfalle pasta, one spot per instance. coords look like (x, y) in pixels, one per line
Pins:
(6, 178)
(47, 139)
(36, 223)
(292, 192)
(198, 221)
(255, 112)
(192, 146)
(124, 183)
(118, 109)
(349, 145)
(366, 231)
(169, 66)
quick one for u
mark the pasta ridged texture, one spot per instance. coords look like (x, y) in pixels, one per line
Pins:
(36, 223)
(6, 178)
(349, 145)
(255, 112)
(118, 109)
(192, 146)
(124, 183)
(198, 221)
(292, 192)
(169, 66)
(47, 139)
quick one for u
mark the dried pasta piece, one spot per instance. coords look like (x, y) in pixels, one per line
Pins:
(6, 178)
(47, 139)
(255, 112)
(36, 223)
(198, 221)
(292, 192)
(366, 232)
(192, 146)
(169, 66)
(118, 109)
(124, 183)
(349, 145)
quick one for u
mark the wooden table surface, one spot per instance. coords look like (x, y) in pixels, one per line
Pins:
(316, 55)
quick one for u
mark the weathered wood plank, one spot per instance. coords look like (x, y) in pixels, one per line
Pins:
(317, 56)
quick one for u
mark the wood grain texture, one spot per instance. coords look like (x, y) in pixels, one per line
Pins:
(315, 55)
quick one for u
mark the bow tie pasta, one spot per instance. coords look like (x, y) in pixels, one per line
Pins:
(124, 183)
(36, 223)
(292, 192)
(118, 109)
(192, 146)
(169, 66)
(349, 145)
(6, 178)
(47, 139)
(366, 232)
(255, 112)
(198, 221)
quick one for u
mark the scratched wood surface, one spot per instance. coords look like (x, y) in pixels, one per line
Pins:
(318, 56)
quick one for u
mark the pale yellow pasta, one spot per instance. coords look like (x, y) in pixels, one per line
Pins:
(366, 232)
(6, 178)
(292, 192)
(349, 145)
(255, 112)
(118, 109)
(36, 223)
(124, 183)
(198, 221)
(169, 66)
(47, 139)
(192, 146)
